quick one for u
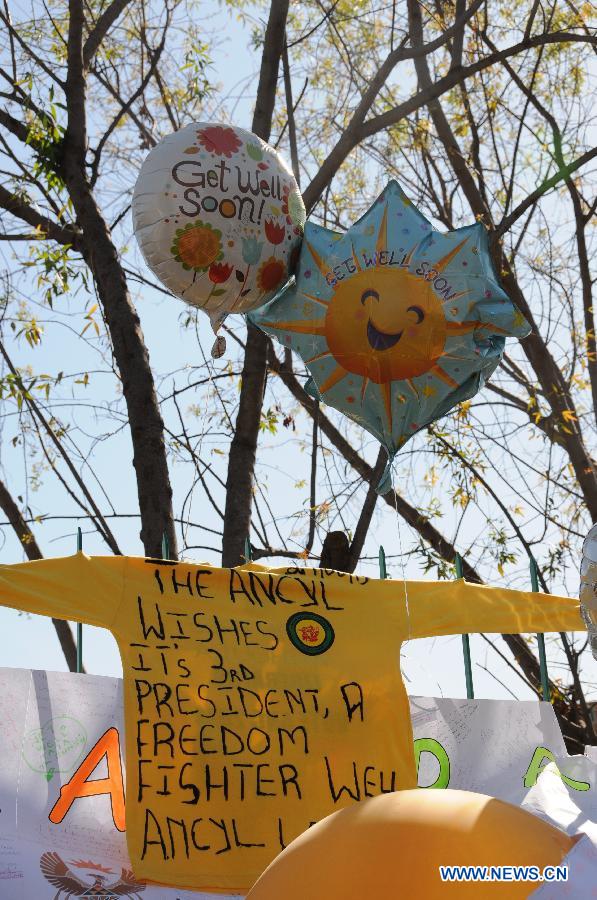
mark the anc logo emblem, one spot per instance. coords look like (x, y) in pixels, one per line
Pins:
(310, 633)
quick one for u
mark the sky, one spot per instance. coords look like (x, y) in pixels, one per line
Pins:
(432, 667)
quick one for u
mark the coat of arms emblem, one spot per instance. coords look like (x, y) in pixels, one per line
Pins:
(100, 882)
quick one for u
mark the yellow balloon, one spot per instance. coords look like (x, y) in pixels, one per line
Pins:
(390, 848)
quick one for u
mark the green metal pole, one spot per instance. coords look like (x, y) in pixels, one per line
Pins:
(383, 572)
(540, 638)
(248, 551)
(165, 546)
(79, 625)
(466, 645)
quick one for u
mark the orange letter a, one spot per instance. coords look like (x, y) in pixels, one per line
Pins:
(78, 786)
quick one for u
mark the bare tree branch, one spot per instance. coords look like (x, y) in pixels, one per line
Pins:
(101, 28)
(101, 524)
(359, 129)
(15, 127)
(32, 551)
(67, 235)
(29, 51)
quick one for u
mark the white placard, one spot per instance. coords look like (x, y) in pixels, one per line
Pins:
(52, 721)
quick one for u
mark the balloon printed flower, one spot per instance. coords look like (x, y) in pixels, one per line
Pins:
(274, 233)
(219, 140)
(395, 321)
(197, 246)
(219, 273)
(252, 249)
(270, 274)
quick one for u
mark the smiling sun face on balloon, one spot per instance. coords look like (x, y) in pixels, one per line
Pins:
(385, 325)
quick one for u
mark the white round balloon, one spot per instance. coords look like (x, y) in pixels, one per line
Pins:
(219, 218)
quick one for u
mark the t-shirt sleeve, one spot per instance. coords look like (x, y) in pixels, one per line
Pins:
(459, 607)
(81, 588)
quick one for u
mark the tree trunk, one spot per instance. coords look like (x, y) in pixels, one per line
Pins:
(243, 449)
(335, 552)
(145, 419)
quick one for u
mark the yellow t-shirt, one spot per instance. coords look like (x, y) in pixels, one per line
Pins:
(259, 700)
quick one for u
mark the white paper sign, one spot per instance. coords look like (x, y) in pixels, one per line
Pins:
(50, 722)
(55, 727)
(495, 747)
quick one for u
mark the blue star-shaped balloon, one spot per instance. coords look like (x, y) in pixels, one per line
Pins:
(395, 321)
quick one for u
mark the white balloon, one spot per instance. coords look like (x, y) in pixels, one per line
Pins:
(219, 218)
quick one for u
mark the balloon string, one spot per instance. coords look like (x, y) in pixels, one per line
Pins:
(203, 427)
(399, 530)
(210, 369)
